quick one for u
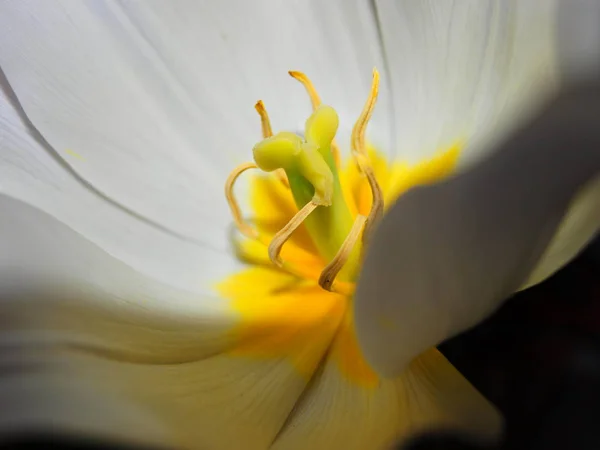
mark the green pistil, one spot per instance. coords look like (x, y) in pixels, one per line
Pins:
(313, 176)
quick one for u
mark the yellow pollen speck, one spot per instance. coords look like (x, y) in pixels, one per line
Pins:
(73, 154)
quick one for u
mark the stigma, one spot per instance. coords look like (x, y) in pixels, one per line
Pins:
(308, 167)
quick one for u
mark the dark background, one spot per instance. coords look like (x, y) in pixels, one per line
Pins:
(538, 360)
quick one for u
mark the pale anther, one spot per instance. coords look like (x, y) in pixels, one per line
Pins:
(315, 100)
(337, 263)
(265, 123)
(310, 88)
(284, 234)
(236, 212)
(267, 131)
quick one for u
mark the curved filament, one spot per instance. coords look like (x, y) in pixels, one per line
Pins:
(359, 152)
(337, 263)
(236, 212)
(315, 100)
(284, 234)
(358, 131)
(376, 210)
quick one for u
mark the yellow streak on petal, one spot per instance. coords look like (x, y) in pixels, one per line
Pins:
(355, 185)
(73, 153)
(282, 317)
(394, 179)
(404, 176)
(346, 352)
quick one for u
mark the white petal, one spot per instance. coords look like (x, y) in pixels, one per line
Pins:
(578, 37)
(30, 171)
(465, 70)
(578, 43)
(48, 400)
(157, 98)
(38, 252)
(89, 320)
(577, 229)
(429, 395)
(220, 402)
(475, 69)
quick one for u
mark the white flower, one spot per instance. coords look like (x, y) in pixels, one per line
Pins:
(120, 122)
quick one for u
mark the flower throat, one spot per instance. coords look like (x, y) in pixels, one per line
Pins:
(308, 166)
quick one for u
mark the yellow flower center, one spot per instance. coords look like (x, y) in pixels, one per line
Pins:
(312, 220)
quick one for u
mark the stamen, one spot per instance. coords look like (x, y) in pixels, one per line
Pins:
(284, 234)
(310, 88)
(298, 270)
(267, 131)
(236, 212)
(306, 273)
(358, 132)
(265, 123)
(377, 196)
(360, 154)
(308, 160)
(315, 100)
(337, 263)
